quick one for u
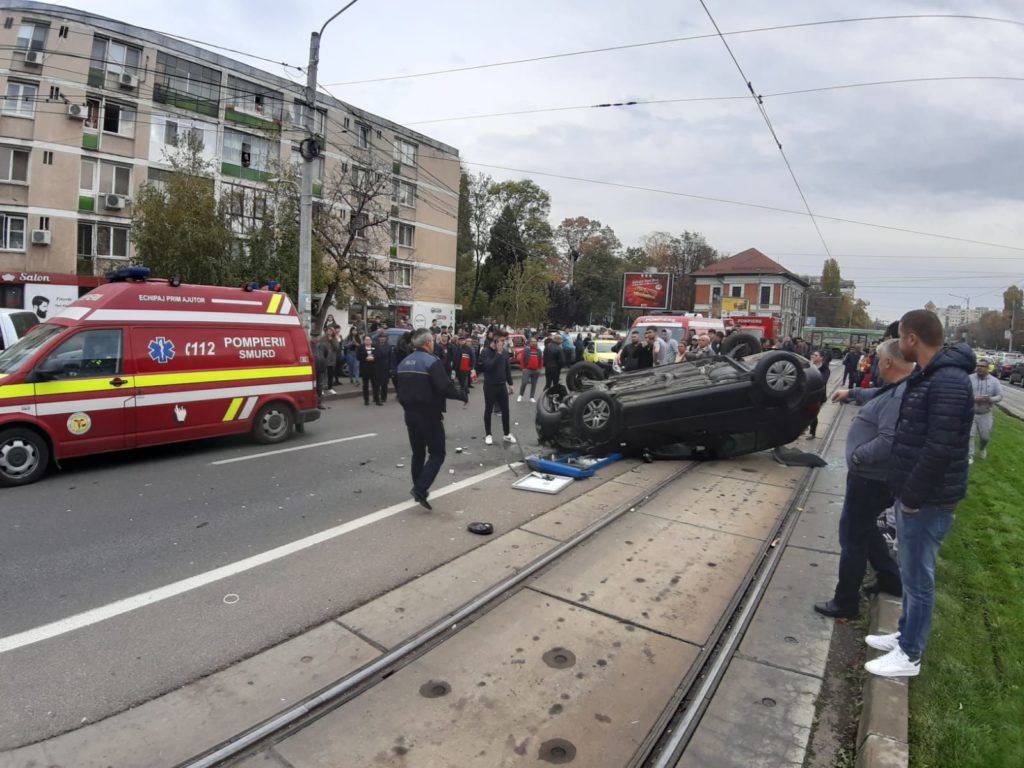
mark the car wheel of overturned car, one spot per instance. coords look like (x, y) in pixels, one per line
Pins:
(779, 376)
(739, 344)
(578, 375)
(596, 416)
(24, 456)
(549, 415)
(273, 423)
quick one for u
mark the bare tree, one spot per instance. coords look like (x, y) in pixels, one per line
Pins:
(352, 231)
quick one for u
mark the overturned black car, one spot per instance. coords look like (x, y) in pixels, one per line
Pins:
(716, 407)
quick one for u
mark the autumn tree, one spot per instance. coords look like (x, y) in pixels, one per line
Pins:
(523, 299)
(179, 227)
(679, 256)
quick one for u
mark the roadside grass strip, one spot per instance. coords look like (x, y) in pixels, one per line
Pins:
(967, 707)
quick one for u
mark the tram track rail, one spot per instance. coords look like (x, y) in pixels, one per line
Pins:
(666, 740)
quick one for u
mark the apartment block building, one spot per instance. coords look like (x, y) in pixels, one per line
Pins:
(91, 108)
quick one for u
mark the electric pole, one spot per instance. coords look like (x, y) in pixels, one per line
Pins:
(310, 151)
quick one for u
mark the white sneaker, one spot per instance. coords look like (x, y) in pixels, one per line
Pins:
(970, 461)
(883, 642)
(488, 440)
(533, 399)
(519, 399)
(331, 392)
(894, 664)
(509, 438)
(984, 453)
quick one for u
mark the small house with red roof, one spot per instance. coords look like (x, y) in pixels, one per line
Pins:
(763, 288)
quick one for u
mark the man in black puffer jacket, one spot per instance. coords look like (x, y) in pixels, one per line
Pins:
(927, 476)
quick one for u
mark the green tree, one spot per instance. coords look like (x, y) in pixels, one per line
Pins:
(680, 257)
(524, 299)
(180, 228)
(479, 208)
(506, 252)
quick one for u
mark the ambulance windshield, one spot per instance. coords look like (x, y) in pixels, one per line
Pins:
(14, 357)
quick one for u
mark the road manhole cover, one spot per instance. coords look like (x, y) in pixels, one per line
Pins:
(768, 702)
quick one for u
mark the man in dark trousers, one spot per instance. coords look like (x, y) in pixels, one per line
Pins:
(868, 453)
(497, 385)
(465, 363)
(927, 477)
(554, 361)
(384, 364)
(423, 388)
(851, 362)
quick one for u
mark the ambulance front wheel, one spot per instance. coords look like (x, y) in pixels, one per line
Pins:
(273, 423)
(24, 456)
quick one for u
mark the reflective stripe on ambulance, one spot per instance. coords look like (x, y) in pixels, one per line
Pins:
(245, 413)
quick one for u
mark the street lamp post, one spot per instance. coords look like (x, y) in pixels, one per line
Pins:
(310, 151)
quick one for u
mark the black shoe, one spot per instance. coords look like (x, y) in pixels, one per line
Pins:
(832, 610)
(367, 402)
(380, 403)
(874, 587)
(421, 498)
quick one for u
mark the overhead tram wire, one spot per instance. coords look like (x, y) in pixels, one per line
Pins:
(691, 99)
(672, 40)
(767, 120)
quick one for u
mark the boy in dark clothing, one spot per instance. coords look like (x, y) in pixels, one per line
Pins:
(384, 364)
(497, 386)
(554, 361)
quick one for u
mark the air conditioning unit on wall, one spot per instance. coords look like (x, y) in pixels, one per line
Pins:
(41, 237)
(114, 202)
(77, 111)
(126, 80)
(33, 58)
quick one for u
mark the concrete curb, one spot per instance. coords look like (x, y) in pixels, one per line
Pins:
(882, 740)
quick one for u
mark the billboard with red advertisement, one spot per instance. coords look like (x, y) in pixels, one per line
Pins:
(646, 290)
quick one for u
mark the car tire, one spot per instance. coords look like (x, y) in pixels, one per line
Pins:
(780, 376)
(739, 344)
(549, 415)
(596, 417)
(24, 456)
(578, 375)
(273, 423)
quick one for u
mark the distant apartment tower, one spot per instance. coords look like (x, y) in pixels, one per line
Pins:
(955, 316)
(92, 105)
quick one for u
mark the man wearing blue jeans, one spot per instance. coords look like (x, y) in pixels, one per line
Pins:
(927, 477)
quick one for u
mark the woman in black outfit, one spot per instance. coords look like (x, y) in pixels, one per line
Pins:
(821, 364)
(367, 364)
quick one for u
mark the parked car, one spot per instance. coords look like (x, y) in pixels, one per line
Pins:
(516, 346)
(1006, 364)
(15, 323)
(599, 352)
(1017, 374)
(715, 407)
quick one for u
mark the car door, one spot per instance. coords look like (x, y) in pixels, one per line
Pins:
(83, 394)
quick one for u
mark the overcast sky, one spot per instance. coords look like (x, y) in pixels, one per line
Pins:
(942, 157)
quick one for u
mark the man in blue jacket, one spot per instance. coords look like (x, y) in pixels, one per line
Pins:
(927, 477)
(868, 448)
(423, 387)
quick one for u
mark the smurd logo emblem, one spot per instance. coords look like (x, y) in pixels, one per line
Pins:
(161, 350)
(79, 423)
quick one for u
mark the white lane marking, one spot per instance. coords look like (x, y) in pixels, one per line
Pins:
(289, 450)
(109, 611)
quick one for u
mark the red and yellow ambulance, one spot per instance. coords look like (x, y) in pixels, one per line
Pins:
(140, 362)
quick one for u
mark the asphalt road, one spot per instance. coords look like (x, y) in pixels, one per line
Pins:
(109, 528)
(1013, 399)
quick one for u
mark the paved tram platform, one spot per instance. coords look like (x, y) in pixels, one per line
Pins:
(573, 667)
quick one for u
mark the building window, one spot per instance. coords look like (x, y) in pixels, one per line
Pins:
(166, 131)
(404, 193)
(716, 294)
(299, 111)
(401, 275)
(102, 240)
(12, 296)
(44, 222)
(247, 151)
(87, 179)
(32, 37)
(63, 32)
(186, 84)
(254, 99)
(362, 133)
(115, 58)
(405, 152)
(736, 291)
(259, 206)
(358, 225)
(766, 295)
(115, 179)
(403, 234)
(12, 232)
(13, 164)
(47, 157)
(119, 119)
(21, 99)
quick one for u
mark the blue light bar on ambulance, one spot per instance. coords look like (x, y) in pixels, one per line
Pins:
(128, 273)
